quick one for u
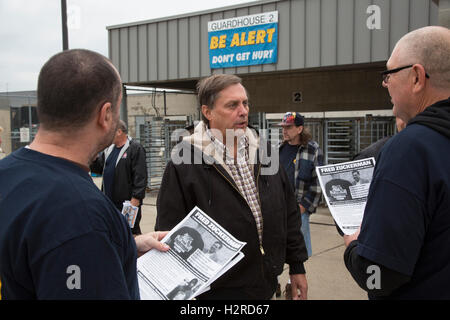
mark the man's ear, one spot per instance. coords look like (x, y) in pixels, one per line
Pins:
(206, 111)
(105, 115)
(419, 77)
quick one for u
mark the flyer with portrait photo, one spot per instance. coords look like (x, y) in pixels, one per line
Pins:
(200, 252)
(345, 187)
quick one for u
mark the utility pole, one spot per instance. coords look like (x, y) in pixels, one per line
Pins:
(65, 36)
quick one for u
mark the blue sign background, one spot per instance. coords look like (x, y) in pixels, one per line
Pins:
(246, 55)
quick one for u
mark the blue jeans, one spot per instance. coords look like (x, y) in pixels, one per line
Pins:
(306, 232)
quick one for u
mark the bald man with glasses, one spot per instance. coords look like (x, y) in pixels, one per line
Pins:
(399, 251)
(387, 73)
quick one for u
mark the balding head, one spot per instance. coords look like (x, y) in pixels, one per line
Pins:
(418, 71)
(430, 47)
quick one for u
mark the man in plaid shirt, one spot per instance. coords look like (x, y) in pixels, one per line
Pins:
(299, 156)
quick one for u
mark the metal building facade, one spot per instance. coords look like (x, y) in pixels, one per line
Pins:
(327, 53)
(312, 33)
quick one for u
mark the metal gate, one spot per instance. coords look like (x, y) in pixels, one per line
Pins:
(372, 129)
(24, 124)
(152, 139)
(315, 127)
(339, 138)
(155, 136)
(274, 132)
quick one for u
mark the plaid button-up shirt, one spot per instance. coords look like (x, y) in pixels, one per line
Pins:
(307, 187)
(242, 175)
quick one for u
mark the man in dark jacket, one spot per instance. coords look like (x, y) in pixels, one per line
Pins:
(124, 172)
(222, 169)
(60, 237)
(373, 150)
(398, 252)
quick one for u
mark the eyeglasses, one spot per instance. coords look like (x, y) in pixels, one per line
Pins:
(386, 74)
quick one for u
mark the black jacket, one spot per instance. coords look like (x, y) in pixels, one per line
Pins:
(373, 150)
(395, 284)
(436, 117)
(130, 176)
(209, 186)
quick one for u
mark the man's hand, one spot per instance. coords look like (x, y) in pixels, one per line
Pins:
(302, 209)
(350, 238)
(135, 202)
(145, 242)
(298, 281)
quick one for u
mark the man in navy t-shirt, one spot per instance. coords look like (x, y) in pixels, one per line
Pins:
(401, 250)
(60, 237)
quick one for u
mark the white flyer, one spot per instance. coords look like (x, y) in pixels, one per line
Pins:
(345, 187)
(200, 252)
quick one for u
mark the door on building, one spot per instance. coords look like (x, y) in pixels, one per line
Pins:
(24, 126)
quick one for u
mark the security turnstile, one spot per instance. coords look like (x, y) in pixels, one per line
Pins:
(156, 138)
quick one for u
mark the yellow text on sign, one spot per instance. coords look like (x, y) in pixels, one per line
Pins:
(243, 39)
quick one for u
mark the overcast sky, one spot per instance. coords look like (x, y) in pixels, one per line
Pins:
(30, 30)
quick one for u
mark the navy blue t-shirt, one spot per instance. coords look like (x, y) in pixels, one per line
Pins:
(60, 237)
(110, 169)
(288, 154)
(406, 224)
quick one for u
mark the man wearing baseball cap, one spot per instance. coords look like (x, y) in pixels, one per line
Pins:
(299, 156)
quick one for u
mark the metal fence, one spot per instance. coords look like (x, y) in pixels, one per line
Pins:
(155, 137)
(21, 124)
(339, 138)
(372, 129)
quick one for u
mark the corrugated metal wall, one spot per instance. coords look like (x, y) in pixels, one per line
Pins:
(312, 33)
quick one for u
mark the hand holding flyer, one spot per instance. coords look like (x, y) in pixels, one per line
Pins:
(130, 213)
(346, 186)
(200, 252)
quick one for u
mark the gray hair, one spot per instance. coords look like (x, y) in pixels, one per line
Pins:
(430, 47)
(122, 126)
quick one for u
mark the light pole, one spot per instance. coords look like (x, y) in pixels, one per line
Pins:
(65, 36)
